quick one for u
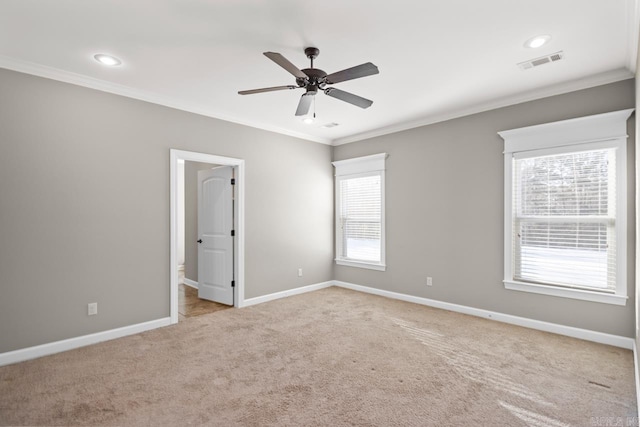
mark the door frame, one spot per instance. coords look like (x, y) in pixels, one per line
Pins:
(239, 166)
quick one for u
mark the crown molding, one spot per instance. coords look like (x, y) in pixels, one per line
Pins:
(557, 89)
(117, 89)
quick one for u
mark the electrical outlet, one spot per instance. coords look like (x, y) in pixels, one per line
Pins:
(92, 308)
(429, 281)
(299, 272)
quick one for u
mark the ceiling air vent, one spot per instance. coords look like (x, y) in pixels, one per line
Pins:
(330, 125)
(541, 61)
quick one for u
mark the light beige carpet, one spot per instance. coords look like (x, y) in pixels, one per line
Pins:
(328, 358)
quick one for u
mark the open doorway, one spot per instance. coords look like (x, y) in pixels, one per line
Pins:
(205, 238)
(186, 257)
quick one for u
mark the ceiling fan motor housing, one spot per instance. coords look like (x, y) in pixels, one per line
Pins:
(316, 79)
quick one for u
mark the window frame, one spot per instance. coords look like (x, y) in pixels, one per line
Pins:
(355, 168)
(607, 130)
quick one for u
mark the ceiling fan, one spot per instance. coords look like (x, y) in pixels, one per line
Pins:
(314, 79)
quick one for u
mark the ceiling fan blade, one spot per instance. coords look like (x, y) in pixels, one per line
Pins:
(266, 89)
(304, 104)
(284, 63)
(356, 100)
(362, 70)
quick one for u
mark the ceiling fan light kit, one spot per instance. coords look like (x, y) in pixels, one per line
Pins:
(314, 80)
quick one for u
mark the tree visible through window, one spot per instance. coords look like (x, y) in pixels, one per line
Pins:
(565, 208)
(564, 222)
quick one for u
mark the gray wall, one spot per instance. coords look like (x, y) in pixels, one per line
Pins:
(637, 218)
(84, 207)
(191, 217)
(444, 211)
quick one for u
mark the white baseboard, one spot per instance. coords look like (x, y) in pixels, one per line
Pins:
(284, 294)
(585, 334)
(71, 343)
(191, 283)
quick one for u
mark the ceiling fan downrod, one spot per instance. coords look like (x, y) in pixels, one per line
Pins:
(312, 53)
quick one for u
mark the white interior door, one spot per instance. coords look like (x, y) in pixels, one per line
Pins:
(215, 240)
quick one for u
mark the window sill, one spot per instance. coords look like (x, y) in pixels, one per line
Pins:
(566, 292)
(359, 264)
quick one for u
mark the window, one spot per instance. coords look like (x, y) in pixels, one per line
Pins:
(360, 212)
(565, 208)
(564, 220)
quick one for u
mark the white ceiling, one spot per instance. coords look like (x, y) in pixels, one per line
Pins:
(438, 59)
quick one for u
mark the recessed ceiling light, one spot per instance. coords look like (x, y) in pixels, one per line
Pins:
(308, 120)
(537, 41)
(109, 60)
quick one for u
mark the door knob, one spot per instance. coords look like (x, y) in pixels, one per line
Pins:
(200, 241)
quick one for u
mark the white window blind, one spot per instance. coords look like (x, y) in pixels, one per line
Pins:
(564, 224)
(360, 217)
(565, 208)
(360, 231)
